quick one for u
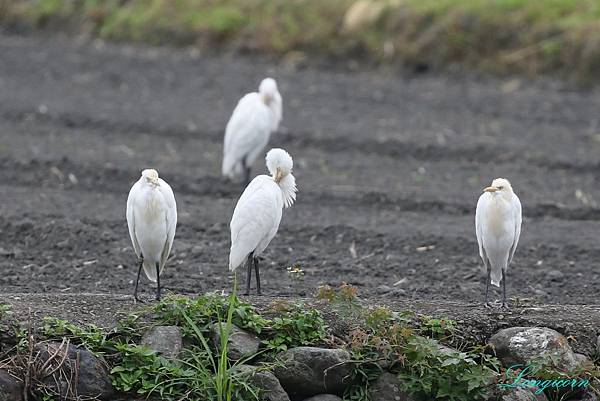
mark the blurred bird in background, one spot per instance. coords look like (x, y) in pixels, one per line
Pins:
(255, 117)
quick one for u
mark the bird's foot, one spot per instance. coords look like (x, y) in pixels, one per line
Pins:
(246, 293)
(487, 305)
(504, 305)
(157, 297)
(136, 299)
(258, 292)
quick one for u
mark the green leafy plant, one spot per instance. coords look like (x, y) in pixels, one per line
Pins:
(93, 338)
(295, 325)
(427, 368)
(206, 310)
(438, 328)
(5, 309)
(445, 373)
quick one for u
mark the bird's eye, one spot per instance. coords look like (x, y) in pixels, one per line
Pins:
(500, 188)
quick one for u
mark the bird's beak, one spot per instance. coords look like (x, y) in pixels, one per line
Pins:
(266, 98)
(278, 175)
(490, 189)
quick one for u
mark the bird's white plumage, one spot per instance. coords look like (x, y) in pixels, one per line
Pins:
(280, 165)
(152, 220)
(498, 227)
(255, 117)
(258, 212)
(268, 90)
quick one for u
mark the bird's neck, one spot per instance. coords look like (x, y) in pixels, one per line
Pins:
(152, 204)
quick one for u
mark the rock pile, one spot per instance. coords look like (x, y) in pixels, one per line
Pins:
(303, 373)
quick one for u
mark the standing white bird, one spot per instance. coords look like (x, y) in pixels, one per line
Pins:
(255, 117)
(258, 213)
(152, 218)
(498, 228)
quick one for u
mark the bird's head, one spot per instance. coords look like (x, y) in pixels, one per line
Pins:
(150, 176)
(500, 187)
(279, 163)
(268, 90)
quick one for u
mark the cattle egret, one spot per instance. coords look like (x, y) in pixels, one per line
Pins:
(255, 117)
(498, 227)
(258, 212)
(152, 218)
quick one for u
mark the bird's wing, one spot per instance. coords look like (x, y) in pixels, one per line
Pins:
(516, 206)
(255, 218)
(479, 212)
(171, 219)
(247, 131)
(131, 217)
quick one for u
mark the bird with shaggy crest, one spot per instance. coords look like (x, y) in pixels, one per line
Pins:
(258, 212)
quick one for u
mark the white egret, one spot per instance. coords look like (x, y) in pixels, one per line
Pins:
(152, 218)
(258, 213)
(498, 227)
(255, 117)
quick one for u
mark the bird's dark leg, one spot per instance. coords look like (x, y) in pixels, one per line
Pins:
(135, 297)
(504, 303)
(257, 276)
(157, 281)
(487, 287)
(246, 169)
(249, 276)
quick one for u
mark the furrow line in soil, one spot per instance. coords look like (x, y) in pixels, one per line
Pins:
(101, 179)
(478, 153)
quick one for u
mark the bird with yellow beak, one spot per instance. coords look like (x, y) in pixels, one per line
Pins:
(152, 220)
(258, 212)
(498, 228)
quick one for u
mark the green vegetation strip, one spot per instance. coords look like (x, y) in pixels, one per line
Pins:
(525, 36)
(406, 345)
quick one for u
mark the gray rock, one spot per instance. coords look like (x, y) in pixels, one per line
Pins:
(324, 397)
(270, 388)
(165, 340)
(388, 387)
(521, 394)
(11, 389)
(384, 289)
(88, 373)
(555, 275)
(308, 371)
(523, 345)
(583, 360)
(589, 396)
(241, 344)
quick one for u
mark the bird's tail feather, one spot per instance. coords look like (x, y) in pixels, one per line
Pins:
(236, 258)
(496, 276)
(231, 168)
(227, 167)
(150, 270)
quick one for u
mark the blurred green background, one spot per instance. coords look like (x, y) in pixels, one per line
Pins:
(557, 37)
